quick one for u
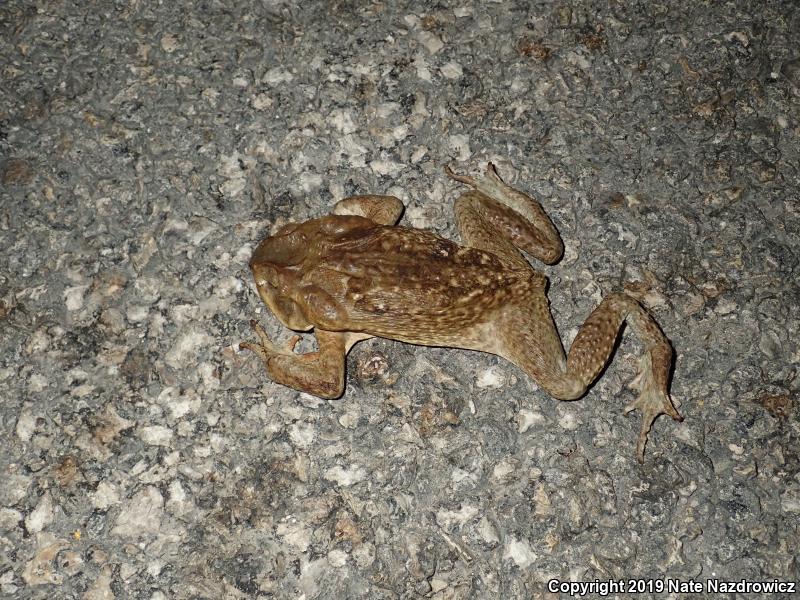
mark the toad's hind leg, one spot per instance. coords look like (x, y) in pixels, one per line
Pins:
(591, 350)
(498, 218)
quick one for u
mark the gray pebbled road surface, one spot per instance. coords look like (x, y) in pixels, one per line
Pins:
(146, 148)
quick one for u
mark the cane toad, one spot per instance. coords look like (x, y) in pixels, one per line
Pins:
(354, 275)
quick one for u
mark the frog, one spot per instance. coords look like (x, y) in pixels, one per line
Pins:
(356, 274)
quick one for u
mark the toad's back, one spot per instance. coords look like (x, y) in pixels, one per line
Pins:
(403, 283)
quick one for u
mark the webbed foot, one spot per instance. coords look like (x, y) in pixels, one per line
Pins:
(652, 402)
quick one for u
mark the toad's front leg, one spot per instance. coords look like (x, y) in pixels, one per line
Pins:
(320, 373)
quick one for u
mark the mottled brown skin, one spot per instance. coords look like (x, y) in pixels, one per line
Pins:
(354, 275)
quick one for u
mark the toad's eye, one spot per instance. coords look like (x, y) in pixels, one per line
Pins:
(266, 275)
(281, 251)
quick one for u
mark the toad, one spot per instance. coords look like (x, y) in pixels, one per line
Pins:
(354, 274)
